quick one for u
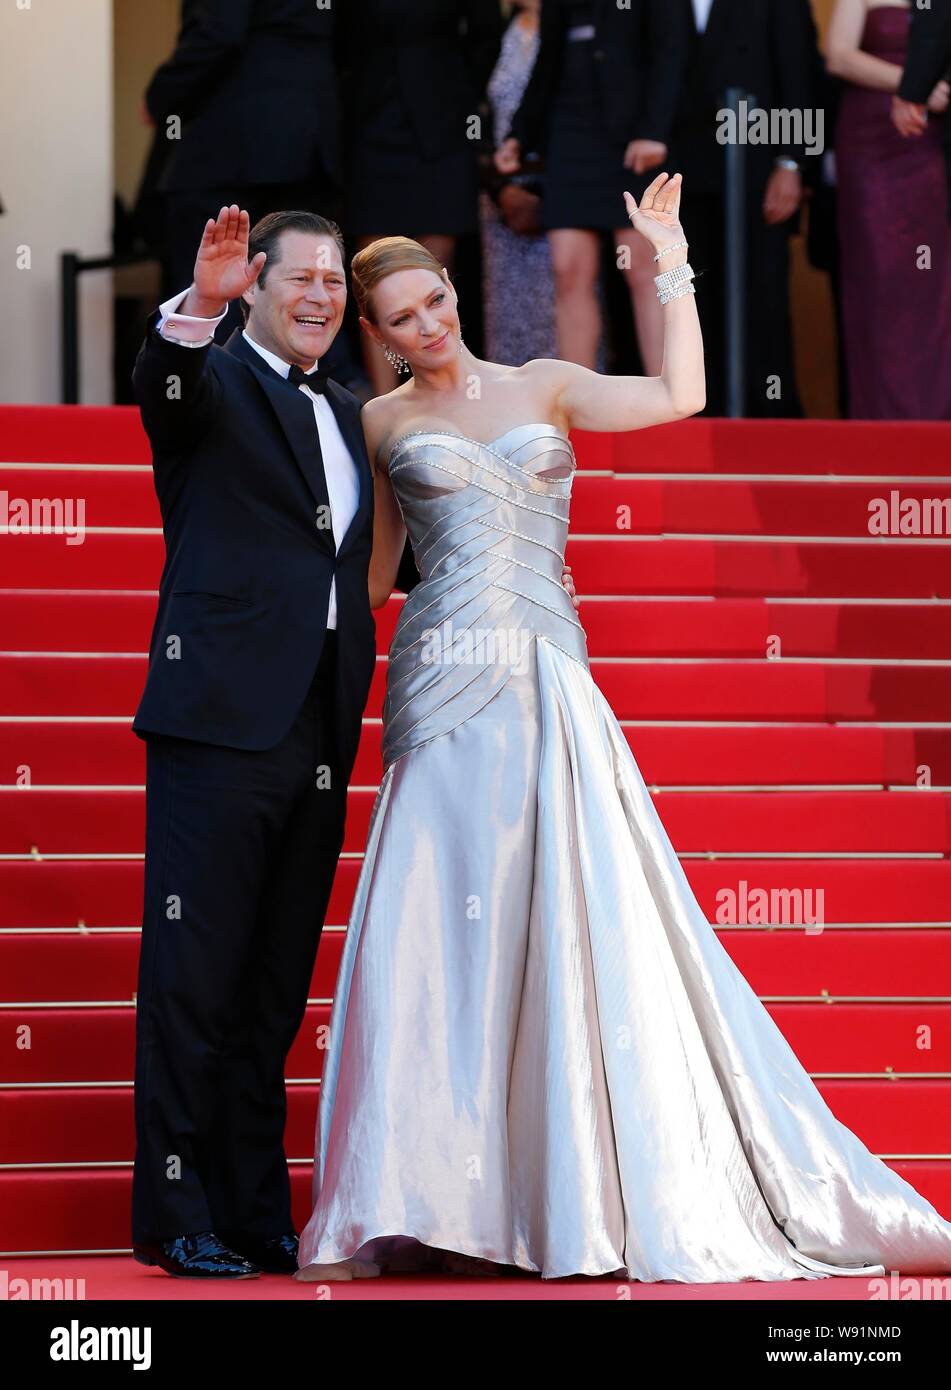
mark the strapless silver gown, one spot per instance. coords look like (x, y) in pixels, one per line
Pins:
(539, 1051)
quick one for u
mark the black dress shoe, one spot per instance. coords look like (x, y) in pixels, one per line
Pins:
(198, 1256)
(273, 1254)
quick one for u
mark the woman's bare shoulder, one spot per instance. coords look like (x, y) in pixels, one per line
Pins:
(542, 381)
(545, 378)
(381, 418)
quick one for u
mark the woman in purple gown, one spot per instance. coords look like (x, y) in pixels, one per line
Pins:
(894, 234)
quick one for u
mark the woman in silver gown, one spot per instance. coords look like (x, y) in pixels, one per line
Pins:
(540, 1054)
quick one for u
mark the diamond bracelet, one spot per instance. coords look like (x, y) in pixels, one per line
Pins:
(673, 284)
(671, 295)
(669, 250)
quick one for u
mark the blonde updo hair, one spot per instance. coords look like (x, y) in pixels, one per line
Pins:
(382, 258)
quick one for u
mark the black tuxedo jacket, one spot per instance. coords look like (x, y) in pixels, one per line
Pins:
(767, 47)
(640, 54)
(254, 84)
(440, 52)
(245, 589)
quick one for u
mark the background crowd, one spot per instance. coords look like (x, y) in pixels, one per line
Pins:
(503, 135)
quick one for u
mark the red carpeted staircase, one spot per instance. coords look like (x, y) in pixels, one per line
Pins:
(784, 680)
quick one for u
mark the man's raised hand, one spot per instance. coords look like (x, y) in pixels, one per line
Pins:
(222, 270)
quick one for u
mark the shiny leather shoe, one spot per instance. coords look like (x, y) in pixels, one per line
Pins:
(274, 1255)
(198, 1256)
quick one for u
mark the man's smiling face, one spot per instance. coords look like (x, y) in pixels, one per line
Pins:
(297, 311)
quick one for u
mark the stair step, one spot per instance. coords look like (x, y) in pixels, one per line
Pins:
(112, 496)
(97, 1043)
(776, 690)
(97, 1124)
(108, 495)
(72, 434)
(620, 504)
(111, 685)
(752, 627)
(110, 620)
(74, 752)
(792, 448)
(60, 620)
(59, 894)
(775, 569)
(69, 966)
(863, 822)
(898, 568)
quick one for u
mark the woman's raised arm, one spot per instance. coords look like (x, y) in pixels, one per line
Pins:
(588, 400)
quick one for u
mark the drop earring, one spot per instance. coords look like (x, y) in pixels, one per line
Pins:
(395, 359)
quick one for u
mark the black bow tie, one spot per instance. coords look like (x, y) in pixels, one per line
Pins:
(314, 381)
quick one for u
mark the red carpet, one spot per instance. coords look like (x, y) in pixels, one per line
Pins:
(117, 1278)
(785, 684)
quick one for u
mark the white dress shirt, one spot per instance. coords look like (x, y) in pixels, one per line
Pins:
(343, 484)
(701, 11)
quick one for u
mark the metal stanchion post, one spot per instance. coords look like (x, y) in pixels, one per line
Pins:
(69, 327)
(735, 346)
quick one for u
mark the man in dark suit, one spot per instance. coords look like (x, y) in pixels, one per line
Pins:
(247, 104)
(259, 668)
(928, 62)
(768, 48)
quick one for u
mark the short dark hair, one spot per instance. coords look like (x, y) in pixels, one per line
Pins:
(266, 236)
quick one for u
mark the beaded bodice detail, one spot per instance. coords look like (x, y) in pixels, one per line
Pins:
(488, 523)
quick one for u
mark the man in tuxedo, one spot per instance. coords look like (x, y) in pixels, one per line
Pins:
(259, 668)
(769, 49)
(927, 63)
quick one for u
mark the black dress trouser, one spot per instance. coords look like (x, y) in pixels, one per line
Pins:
(241, 849)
